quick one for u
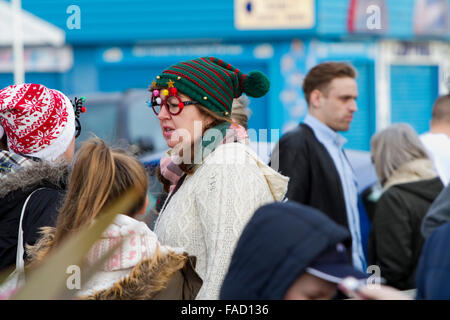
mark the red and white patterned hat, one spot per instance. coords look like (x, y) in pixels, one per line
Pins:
(38, 121)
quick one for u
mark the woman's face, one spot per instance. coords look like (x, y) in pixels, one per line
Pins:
(185, 127)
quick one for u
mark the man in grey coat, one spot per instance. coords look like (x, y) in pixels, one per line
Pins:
(438, 214)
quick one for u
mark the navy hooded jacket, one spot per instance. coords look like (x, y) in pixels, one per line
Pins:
(276, 246)
(433, 273)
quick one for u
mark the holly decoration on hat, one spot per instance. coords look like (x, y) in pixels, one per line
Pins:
(78, 104)
(170, 84)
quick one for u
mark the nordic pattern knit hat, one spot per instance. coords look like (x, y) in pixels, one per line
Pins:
(38, 121)
(212, 82)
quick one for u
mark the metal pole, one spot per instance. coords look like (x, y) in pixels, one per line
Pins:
(19, 69)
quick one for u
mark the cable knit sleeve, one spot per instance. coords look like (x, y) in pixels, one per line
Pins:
(229, 195)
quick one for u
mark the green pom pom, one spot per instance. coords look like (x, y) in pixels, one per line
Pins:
(256, 84)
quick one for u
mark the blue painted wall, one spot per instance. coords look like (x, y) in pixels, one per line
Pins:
(50, 79)
(413, 92)
(332, 17)
(119, 21)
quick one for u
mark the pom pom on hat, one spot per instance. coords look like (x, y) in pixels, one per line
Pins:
(256, 84)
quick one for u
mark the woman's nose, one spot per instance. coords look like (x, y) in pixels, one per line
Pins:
(163, 113)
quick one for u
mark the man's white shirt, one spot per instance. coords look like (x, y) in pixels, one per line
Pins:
(438, 148)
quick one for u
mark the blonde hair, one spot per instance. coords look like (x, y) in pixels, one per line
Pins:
(393, 147)
(99, 176)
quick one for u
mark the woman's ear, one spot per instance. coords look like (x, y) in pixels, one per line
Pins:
(208, 120)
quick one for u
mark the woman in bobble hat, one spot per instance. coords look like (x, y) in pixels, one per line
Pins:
(215, 181)
(38, 124)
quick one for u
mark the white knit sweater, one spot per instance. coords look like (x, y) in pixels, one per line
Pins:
(207, 214)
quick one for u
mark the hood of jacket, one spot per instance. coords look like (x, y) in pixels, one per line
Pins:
(239, 152)
(43, 173)
(140, 269)
(280, 241)
(420, 170)
(278, 183)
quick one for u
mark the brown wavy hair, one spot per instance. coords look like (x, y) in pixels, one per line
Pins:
(217, 119)
(99, 176)
(320, 76)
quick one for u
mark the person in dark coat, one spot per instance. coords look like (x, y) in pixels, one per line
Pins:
(438, 214)
(433, 272)
(288, 251)
(39, 124)
(312, 154)
(48, 179)
(410, 184)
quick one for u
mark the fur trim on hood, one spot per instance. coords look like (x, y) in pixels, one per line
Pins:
(40, 249)
(241, 152)
(53, 173)
(420, 169)
(149, 278)
(166, 275)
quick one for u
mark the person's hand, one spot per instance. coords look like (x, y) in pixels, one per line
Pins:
(382, 292)
(358, 289)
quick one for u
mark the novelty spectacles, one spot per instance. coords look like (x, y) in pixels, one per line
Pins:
(168, 98)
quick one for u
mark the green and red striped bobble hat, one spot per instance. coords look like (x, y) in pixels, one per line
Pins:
(212, 82)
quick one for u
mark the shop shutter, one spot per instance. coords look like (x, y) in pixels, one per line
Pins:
(413, 91)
